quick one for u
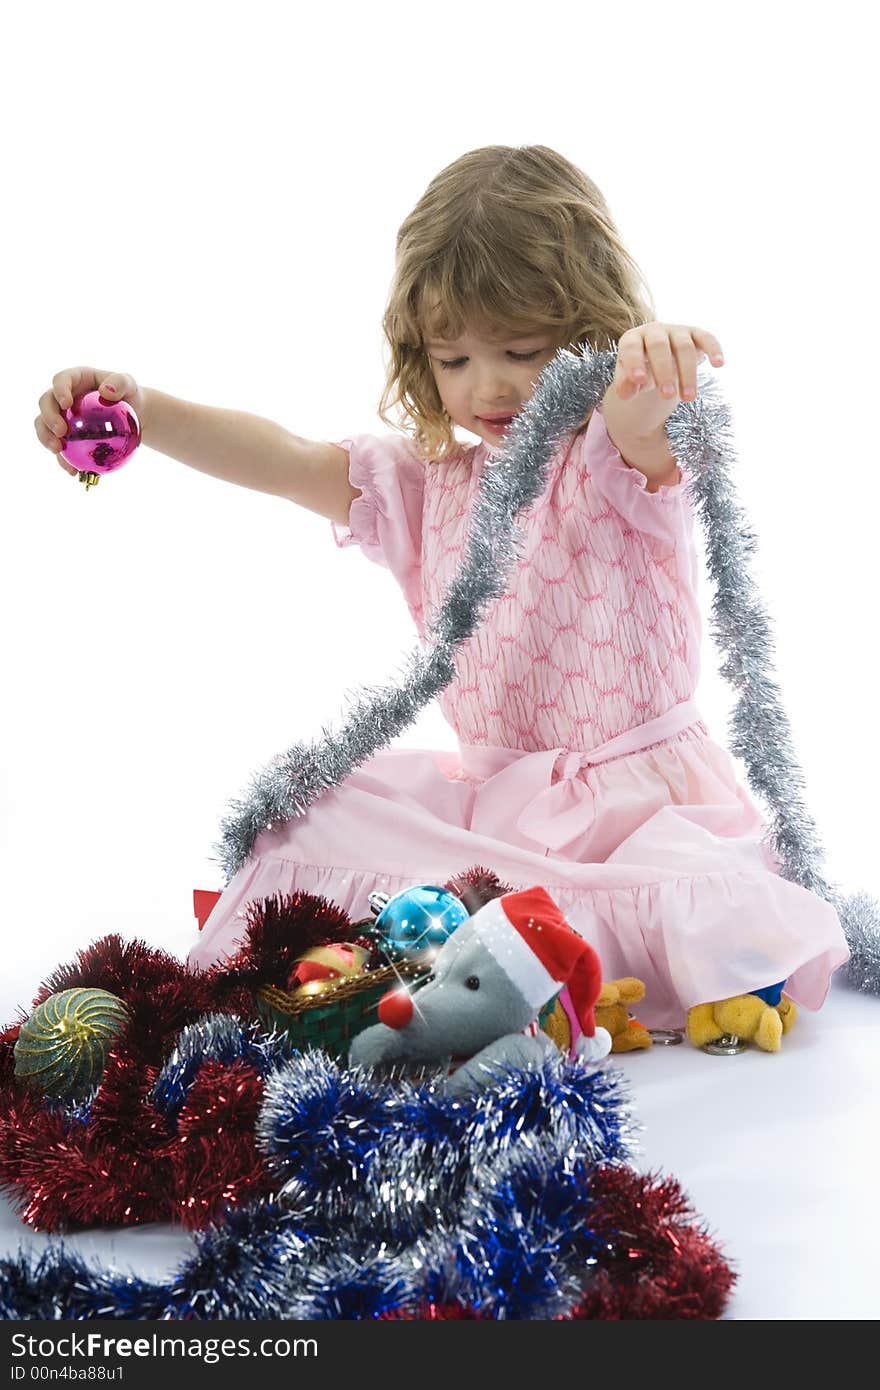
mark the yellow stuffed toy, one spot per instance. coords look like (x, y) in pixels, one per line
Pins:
(746, 1015)
(627, 1034)
(611, 1013)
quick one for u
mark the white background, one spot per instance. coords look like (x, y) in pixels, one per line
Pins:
(207, 196)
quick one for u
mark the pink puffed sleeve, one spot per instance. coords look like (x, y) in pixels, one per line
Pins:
(386, 520)
(665, 514)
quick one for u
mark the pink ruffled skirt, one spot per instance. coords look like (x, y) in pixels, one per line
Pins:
(657, 856)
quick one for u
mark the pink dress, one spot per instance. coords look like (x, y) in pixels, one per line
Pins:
(583, 762)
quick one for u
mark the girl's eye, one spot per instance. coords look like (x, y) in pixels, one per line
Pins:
(517, 357)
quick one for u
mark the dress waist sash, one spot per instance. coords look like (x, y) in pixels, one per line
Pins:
(555, 813)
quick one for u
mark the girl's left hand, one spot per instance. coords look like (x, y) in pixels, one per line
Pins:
(656, 366)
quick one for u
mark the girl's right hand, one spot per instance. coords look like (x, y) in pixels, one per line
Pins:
(50, 424)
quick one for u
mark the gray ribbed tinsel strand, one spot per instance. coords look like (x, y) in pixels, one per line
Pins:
(699, 437)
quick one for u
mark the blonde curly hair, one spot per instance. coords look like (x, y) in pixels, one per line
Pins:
(504, 240)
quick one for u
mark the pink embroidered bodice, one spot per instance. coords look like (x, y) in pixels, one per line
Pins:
(600, 629)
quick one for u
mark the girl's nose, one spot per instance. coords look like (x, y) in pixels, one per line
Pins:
(495, 388)
(396, 1009)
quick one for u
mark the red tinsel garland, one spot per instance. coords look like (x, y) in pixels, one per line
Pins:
(126, 1164)
(214, 1161)
(668, 1267)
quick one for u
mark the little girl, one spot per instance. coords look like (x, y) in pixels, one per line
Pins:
(583, 762)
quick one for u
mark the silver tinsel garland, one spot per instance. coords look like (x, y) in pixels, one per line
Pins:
(699, 437)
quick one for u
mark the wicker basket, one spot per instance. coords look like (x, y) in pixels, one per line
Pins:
(331, 1019)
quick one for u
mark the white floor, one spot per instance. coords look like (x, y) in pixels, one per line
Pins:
(777, 1153)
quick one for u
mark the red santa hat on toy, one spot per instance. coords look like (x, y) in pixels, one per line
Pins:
(531, 940)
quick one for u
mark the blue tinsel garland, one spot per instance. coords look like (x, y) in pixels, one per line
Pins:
(482, 1200)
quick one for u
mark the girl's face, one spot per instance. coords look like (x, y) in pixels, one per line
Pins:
(480, 377)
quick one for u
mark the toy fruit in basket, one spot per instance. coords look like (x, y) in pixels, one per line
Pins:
(322, 968)
(327, 1010)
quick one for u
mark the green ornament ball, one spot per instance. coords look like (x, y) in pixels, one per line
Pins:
(62, 1048)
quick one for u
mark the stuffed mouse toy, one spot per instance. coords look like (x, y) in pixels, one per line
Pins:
(478, 1012)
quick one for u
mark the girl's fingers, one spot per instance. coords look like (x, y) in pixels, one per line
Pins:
(710, 343)
(632, 364)
(115, 385)
(686, 360)
(52, 443)
(663, 365)
(623, 382)
(64, 386)
(73, 381)
(69, 384)
(50, 413)
(46, 436)
(673, 357)
(665, 356)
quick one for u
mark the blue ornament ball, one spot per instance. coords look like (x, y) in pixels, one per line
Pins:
(420, 919)
(62, 1048)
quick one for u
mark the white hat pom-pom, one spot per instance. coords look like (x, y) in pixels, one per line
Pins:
(594, 1049)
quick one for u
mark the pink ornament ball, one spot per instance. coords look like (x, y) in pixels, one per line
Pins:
(101, 435)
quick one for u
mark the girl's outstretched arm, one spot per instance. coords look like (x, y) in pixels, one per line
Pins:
(253, 452)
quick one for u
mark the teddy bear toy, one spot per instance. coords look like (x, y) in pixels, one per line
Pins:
(761, 1018)
(477, 1015)
(612, 1013)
